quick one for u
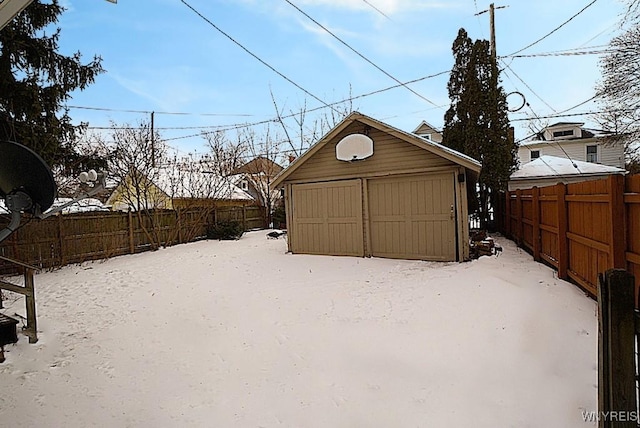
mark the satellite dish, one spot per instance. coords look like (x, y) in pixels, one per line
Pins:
(354, 147)
(26, 183)
(23, 171)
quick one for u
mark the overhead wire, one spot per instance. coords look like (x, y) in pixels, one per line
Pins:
(263, 62)
(377, 10)
(231, 127)
(156, 112)
(358, 53)
(528, 87)
(555, 29)
(562, 53)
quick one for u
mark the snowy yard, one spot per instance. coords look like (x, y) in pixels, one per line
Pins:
(240, 334)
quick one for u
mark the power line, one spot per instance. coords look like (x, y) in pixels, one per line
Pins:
(377, 10)
(528, 87)
(158, 112)
(477, 15)
(588, 113)
(555, 29)
(232, 127)
(563, 53)
(358, 53)
(254, 55)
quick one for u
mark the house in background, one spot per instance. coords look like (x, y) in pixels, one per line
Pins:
(255, 178)
(572, 141)
(551, 170)
(369, 189)
(425, 130)
(176, 187)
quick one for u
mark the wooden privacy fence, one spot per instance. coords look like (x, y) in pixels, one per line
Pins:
(581, 229)
(75, 238)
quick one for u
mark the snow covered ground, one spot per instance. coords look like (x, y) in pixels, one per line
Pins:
(240, 334)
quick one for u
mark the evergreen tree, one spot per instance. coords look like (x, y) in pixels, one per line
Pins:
(476, 123)
(35, 81)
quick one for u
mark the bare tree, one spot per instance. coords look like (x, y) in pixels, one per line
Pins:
(262, 164)
(619, 88)
(133, 154)
(302, 130)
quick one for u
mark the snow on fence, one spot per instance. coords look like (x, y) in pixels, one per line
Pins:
(581, 229)
(75, 238)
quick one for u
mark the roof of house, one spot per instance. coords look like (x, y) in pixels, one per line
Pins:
(257, 165)
(565, 124)
(438, 149)
(81, 206)
(553, 166)
(585, 133)
(192, 182)
(424, 123)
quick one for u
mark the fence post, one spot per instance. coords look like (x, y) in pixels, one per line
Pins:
(30, 301)
(61, 239)
(179, 224)
(519, 223)
(244, 217)
(132, 247)
(536, 223)
(563, 244)
(507, 209)
(617, 232)
(616, 347)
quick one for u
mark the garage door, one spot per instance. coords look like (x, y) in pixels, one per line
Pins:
(327, 218)
(412, 217)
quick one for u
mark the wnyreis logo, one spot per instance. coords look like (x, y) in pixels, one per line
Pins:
(611, 416)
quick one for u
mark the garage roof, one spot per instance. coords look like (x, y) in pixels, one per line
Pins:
(438, 149)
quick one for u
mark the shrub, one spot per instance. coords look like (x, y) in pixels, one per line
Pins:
(225, 230)
(279, 218)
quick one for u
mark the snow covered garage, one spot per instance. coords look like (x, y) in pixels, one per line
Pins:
(369, 189)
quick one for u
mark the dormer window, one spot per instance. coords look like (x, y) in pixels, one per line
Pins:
(535, 154)
(565, 133)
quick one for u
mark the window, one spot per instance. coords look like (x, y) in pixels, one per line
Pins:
(592, 154)
(535, 154)
(244, 185)
(567, 133)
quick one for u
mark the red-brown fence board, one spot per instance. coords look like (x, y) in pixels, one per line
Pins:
(549, 225)
(582, 229)
(632, 205)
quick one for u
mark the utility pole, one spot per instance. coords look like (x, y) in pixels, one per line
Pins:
(153, 143)
(492, 27)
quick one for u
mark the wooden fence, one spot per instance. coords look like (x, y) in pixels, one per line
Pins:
(75, 238)
(581, 229)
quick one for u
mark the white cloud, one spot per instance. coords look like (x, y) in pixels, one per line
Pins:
(168, 94)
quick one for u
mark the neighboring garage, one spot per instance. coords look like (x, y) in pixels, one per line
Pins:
(368, 189)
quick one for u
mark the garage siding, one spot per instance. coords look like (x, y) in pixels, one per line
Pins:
(412, 217)
(327, 218)
(390, 156)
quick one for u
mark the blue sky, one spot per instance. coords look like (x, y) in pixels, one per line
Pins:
(160, 56)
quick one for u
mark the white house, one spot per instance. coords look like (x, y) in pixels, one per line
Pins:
(572, 141)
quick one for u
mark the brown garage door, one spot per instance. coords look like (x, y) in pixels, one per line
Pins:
(412, 217)
(327, 218)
